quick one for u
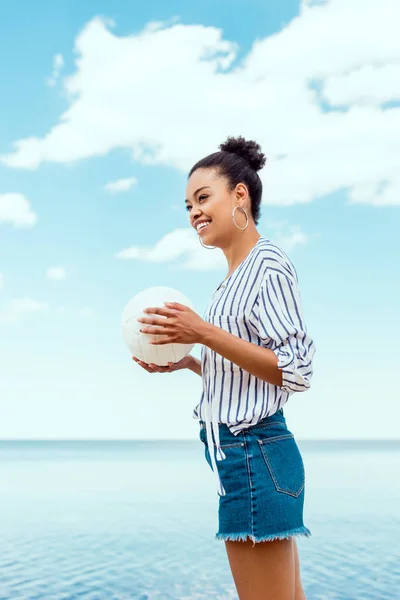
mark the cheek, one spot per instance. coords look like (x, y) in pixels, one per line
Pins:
(219, 209)
(223, 215)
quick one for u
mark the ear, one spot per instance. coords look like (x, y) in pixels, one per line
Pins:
(241, 195)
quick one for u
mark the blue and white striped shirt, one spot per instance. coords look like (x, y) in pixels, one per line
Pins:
(259, 302)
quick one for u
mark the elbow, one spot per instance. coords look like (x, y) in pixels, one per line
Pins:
(296, 367)
(295, 381)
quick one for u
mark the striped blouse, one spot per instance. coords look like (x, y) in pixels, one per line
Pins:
(259, 302)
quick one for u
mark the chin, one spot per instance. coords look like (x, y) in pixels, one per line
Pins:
(209, 241)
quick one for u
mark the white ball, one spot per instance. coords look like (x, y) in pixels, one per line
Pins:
(137, 342)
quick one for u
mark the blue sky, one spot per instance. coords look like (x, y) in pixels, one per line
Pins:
(104, 111)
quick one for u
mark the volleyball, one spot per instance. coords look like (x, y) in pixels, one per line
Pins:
(137, 342)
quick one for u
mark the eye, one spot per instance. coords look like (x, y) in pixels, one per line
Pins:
(187, 207)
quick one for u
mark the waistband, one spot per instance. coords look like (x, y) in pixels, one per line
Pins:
(265, 421)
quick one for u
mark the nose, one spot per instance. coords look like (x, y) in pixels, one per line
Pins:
(195, 214)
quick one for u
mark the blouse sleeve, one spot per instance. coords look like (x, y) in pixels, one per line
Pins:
(281, 327)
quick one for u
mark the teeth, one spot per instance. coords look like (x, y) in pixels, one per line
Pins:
(204, 224)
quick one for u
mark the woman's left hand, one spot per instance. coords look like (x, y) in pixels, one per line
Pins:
(178, 323)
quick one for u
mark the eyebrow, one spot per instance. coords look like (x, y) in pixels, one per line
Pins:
(197, 191)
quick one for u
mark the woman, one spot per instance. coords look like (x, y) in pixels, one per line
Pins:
(255, 353)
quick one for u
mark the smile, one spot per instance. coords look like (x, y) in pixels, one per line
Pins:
(202, 226)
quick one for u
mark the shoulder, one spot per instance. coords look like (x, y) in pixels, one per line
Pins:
(272, 259)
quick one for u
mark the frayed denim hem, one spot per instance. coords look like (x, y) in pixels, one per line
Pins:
(242, 537)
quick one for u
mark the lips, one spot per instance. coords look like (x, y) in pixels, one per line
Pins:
(202, 227)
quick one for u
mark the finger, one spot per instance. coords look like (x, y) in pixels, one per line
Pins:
(140, 362)
(153, 320)
(176, 306)
(145, 366)
(159, 342)
(160, 310)
(156, 368)
(160, 369)
(154, 330)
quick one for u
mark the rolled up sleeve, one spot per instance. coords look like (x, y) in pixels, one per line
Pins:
(281, 327)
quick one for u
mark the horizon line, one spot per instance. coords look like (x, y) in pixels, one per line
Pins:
(185, 439)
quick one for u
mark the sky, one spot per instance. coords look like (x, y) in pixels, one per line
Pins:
(103, 111)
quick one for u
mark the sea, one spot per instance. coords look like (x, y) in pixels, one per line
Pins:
(136, 520)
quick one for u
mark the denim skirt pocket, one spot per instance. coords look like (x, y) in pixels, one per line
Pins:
(284, 462)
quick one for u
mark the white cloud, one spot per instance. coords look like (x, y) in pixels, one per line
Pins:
(157, 25)
(16, 209)
(355, 87)
(313, 95)
(121, 185)
(184, 244)
(287, 236)
(57, 273)
(291, 240)
(18, 308)
(177, 244)
(58, 63)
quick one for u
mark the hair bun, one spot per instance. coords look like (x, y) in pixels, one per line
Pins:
(247, 149)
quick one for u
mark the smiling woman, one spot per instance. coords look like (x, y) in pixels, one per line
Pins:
(256, 352)
(236, 164)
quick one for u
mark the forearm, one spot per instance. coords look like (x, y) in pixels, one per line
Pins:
(195, 365)
(256, 360)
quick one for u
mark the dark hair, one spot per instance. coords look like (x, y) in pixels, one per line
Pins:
(238, 161)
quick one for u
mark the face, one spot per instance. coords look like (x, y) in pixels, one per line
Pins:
(209, 199)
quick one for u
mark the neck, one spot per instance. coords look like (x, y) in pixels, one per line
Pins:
(239, 247)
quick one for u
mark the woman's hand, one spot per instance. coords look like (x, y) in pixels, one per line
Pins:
(185, 363)
(178, 324)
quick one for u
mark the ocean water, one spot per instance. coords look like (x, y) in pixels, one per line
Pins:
(136, 520)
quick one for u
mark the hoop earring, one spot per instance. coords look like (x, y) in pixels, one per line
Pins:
(233, 217)
(207, 247)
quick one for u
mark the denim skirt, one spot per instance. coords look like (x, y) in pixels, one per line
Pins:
(264, 479)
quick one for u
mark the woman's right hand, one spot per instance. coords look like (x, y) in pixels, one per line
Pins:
(152, 368)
